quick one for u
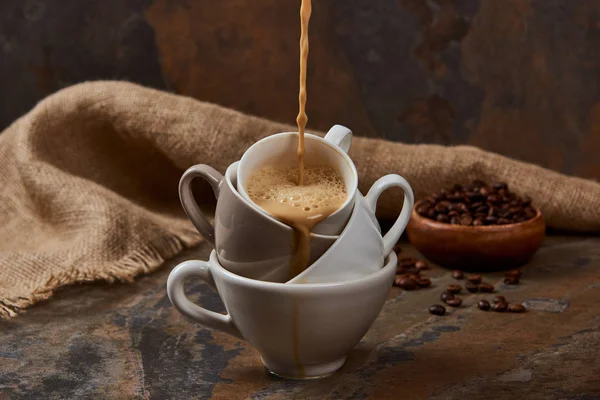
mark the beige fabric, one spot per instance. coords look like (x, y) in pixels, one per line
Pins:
(89, 183)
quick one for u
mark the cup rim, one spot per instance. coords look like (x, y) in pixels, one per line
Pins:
(255, 208)
(310, 136)
(390, 262)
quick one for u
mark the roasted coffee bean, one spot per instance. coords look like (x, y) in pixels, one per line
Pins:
(491, 220)
(499, 307)
(513, 273)
(442, 218)
(478, 222)
(422, 209)
(437, 309)
(397, 280)
(516, 308)
(466, 220)
(486, 288)
(407, 261)
(408, 283)
(454, 289)
(455, 302)
(441, 208)
(472, 287)
(424, 282)
(511, 280)
(445, 296)
(494, 198)
(456, 274)
(499, 299)
(483, 210)
(476, 204)
(483, 305)
(474, 278)
(499, 185)
(421, 265)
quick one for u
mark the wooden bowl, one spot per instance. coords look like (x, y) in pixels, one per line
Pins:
(487, 247)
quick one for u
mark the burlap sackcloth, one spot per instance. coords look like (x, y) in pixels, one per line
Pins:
(88, 183)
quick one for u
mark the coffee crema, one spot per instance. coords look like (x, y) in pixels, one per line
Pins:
(275, 190)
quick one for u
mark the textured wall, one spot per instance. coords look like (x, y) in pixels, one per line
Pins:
(519, 77)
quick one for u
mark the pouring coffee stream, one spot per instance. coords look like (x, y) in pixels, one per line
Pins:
(302, 119)
(310, 202)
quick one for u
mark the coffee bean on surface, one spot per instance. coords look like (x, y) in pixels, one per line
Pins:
(408, 283)
(455, 302)
(445, 296)
(516, 308)
(486, 288)
(509, 280)
(474, 278)
(499, 307)
(421, 265)
(476, 204)
(397, 280)
(456, 274)
(424, 282)
(515, 273)
(437, 309)
(454, 289)
(472, 287)
(499, 299)
(483, 305)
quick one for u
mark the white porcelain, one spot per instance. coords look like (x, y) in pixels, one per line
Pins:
(360, 249)
(248, 242)
(280, 149)
(301, 331)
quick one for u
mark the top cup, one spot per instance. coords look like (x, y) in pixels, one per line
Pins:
(280, 150)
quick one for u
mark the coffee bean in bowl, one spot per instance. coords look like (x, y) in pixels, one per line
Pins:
(491, 204)
(477, 226)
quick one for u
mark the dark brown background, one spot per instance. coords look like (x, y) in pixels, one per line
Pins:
(519, 77)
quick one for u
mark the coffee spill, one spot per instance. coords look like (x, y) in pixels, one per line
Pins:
(301, 207)
(275, 190)
(302, 119)
(296, 339)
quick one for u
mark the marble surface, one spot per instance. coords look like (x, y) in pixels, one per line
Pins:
(126, 341)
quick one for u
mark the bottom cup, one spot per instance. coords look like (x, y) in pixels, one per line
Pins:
(301, 331)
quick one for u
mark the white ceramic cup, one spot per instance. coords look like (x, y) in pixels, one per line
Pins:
(248, 242)
(280, 149)
(301, 331)
(360, 249)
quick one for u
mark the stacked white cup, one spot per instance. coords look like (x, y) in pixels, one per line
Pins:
(351, 262)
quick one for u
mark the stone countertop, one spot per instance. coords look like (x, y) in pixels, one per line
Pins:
(122, 341)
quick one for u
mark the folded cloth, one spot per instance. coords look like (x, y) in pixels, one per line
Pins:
(89, 183)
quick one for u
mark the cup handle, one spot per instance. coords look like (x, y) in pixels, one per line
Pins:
(382, 184)
(177, 296)
(340, 136)
(214, 178)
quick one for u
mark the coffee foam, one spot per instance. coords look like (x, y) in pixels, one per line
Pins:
(323, 188)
